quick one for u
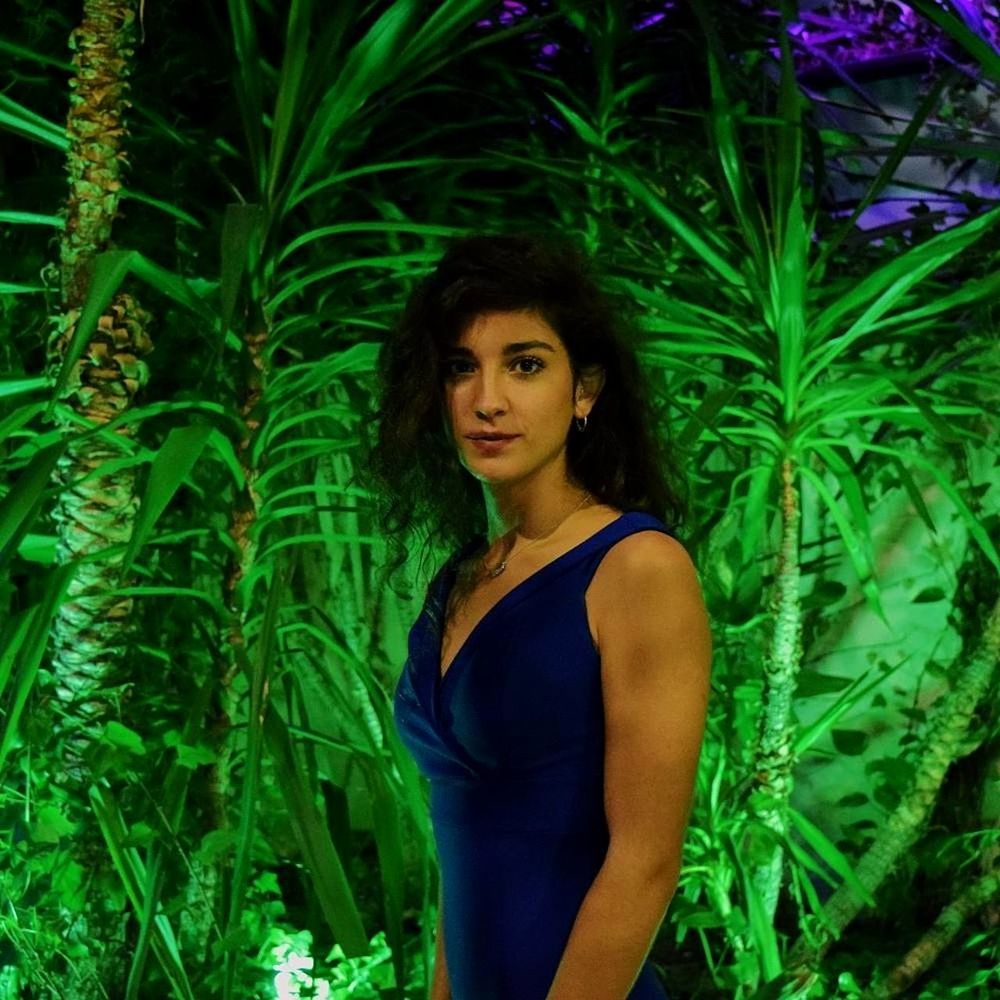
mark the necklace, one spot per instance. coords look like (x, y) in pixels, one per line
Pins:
(494, 573)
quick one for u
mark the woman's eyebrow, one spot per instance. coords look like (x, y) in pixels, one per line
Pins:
(521, 345)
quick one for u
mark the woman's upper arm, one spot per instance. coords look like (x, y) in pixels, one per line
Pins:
(655, 646)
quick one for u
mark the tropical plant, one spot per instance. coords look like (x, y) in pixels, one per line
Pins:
(824, 381)
(806, 367)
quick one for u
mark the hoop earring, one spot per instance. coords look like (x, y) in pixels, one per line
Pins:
(577, 420)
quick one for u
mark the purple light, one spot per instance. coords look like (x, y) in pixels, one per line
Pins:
(652, 19)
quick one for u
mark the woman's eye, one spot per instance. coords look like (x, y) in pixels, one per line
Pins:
(531, 361)
(450, 369)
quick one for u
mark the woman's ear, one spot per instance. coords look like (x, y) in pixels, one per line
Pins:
(590, 384)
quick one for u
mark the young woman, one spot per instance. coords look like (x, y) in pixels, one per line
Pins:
(556, 688)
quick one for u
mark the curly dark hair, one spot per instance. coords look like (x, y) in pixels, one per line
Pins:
(624, 458)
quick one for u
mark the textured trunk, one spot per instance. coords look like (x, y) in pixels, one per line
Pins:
(95, 508)
(208, 884)
(945, 740)
(773, 762)
(990, 816)
(950, 921)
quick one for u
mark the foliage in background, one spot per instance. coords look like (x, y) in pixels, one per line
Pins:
(820, 379)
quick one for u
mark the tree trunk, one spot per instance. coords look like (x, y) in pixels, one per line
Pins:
(92, 514)
(944, 741)
(774, 756)
(923, 954)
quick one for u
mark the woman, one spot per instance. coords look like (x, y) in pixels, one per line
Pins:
(556, 687)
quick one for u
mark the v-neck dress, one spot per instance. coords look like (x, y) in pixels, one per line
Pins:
(512, 743)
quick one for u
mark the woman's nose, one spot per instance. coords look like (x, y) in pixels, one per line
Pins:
(488, 395)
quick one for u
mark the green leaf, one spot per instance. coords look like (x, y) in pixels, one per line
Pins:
(330, 881)
(857, 544)
(825, 848)
(175, 286)
(140, 835)
(258, 670)
(67, 880)
(166, 207)
(50, 825)
(300, 281)
(850, 742)
(247, 81)
(857, 690)
(294, 62)
(134, 877)
(811, 683)
(729, 152)
(582, 129)
(31, 219)
(195, 756)
(20, 506)
(20, 120)
(216, 844)
(853, 799)
(241, 226)
(972, 522)
(889, 165)
(27, 646)
(375, 60)
(121, 736)
(877, 293)
(976, 45)
(174, 460)
(689, 234)
(761, 926)
(17, 386)
(38, 58)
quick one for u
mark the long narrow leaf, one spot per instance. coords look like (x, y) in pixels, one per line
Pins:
(16, 118)
(132, 873)
(880, 291)
(849, 697)
(688, 234)
(240, 228)
(260, 668)
(856, 544)
(31, 219)
(900, 148)
(20, 506)
(319, 854)
(294, 62)
(729, 152)
(985, 55)
(826, 849)
(27, 652)
(249, 75)
(174, 460)
(973, 523)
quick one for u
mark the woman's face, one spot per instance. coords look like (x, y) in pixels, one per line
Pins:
(509, 373)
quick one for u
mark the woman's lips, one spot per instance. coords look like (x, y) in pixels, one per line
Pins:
(490, 447)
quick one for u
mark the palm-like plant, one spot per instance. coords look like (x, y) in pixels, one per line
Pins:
(293, 172)
(789, 364)
(97, 497)
(800, 358)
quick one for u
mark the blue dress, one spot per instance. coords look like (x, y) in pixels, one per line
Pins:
(512, 743)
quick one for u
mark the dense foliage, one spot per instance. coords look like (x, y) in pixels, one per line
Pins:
(212, 215)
